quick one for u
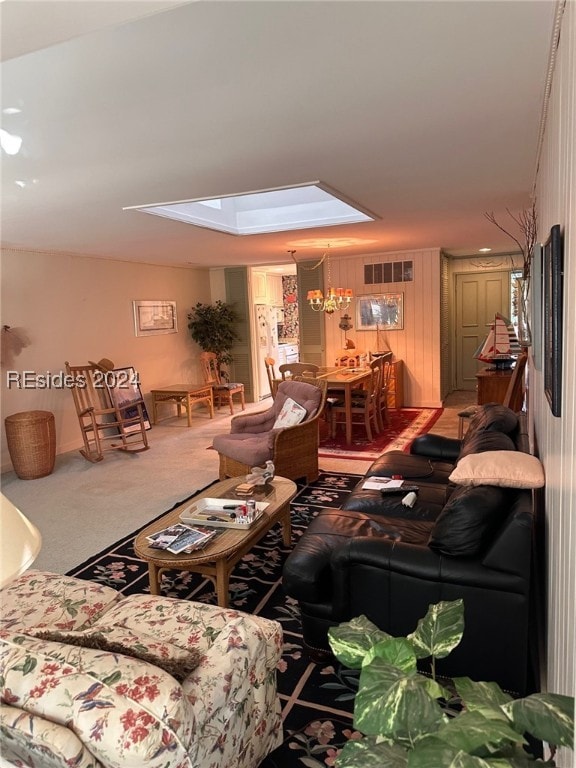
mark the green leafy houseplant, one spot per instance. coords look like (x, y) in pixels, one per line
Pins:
(212, 327)
(410, 720)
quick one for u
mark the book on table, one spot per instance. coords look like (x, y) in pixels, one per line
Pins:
(179, 538)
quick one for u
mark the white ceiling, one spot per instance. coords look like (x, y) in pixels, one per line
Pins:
(426, 113)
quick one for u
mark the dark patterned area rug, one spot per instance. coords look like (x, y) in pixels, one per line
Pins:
(317, 699)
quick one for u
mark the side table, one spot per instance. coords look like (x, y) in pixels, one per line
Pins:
(492, 385)
(183, 395)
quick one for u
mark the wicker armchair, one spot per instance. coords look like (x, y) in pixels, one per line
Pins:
(253, 440)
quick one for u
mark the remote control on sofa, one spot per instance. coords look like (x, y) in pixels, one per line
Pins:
(399, 489)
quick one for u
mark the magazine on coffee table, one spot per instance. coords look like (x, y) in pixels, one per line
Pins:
(179, 538)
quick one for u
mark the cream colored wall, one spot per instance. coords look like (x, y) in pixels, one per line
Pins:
(79, 309)
(556, 436)
(418, 344)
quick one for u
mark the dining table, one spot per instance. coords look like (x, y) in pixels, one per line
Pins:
(345, 380)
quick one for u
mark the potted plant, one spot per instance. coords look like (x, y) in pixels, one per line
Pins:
(411, 720)
(212, 327)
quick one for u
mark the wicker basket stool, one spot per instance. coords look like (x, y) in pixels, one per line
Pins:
(31, 437)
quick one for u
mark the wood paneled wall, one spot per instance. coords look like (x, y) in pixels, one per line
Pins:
(418, 344)
(556, 436)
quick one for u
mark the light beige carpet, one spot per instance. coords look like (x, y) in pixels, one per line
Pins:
(82, 507)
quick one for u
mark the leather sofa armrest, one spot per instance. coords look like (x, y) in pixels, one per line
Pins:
(358, 561)
(436, 447)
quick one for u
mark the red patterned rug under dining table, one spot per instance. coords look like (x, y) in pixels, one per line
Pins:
(404, 425)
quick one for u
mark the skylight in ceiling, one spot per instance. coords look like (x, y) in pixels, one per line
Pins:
(269, 210)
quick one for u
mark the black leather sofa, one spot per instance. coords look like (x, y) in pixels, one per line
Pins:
(379, 558)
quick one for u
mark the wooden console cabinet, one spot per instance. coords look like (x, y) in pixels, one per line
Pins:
(492, 386)
(396, 385)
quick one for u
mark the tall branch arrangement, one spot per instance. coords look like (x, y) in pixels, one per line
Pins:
(527, 224)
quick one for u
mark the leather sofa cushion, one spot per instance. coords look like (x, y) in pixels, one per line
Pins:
(492, 417)
(486, 441)
(419, 469)
(469, 520)
(430, 501)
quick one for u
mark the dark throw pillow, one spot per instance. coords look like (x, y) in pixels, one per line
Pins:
(493, 417)
(180, 663)
(469, 520)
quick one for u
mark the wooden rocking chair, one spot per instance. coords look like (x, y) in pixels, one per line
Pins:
(105, 423)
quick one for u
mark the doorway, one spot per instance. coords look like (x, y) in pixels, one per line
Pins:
(274, 320)
(479, 295)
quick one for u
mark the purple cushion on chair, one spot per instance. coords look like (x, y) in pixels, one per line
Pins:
(247, 448)
(251, 438)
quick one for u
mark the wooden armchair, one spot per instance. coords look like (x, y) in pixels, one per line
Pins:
(253, 439)
(223, 391)
(106, 422)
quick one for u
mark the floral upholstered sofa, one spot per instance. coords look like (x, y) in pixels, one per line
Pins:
(65, 704)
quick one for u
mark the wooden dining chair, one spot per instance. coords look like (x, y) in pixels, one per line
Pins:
(273, 380)
(223, 391)
(364, 403)
(385, 376)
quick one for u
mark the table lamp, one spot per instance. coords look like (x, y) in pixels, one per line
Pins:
(20, 541)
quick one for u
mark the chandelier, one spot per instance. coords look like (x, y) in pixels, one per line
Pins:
(336, 298)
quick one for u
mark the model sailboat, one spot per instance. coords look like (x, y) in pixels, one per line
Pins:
(501, 345)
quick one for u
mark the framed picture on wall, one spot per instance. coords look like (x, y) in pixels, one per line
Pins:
(553, 302)
(154, 317)
(380, 311)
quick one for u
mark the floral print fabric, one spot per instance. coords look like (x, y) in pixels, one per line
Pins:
(32, 741)
(39, 599)
(126, 712)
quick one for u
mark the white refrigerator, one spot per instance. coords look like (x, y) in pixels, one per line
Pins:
(267, 319)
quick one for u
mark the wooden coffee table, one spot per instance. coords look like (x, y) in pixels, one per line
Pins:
(219, 556)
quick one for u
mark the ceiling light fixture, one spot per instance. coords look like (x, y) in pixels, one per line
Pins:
(336, 298)
(484, 250)
(9, 142)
